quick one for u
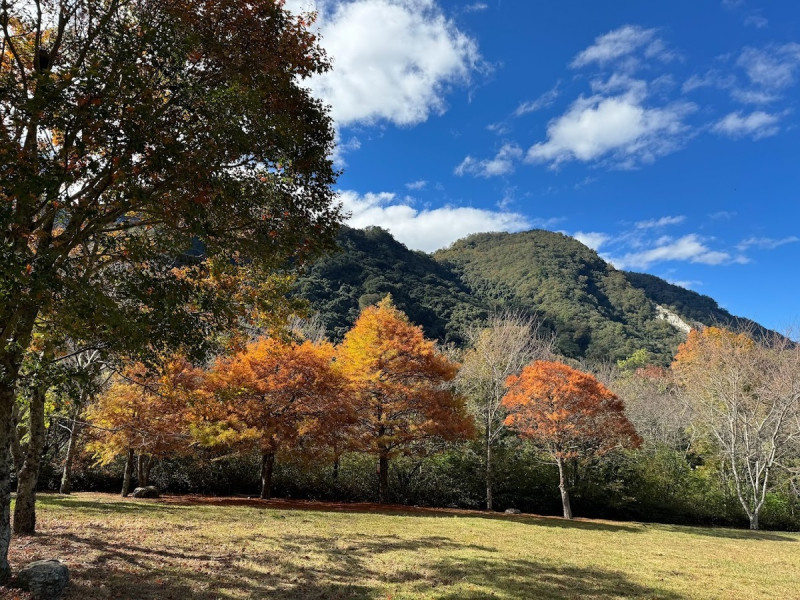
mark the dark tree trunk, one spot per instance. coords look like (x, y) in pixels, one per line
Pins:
(489, 499)
(72, 446)
(267, 465)
(6, 433)
(383, 477)
(336, 469)
(562, 486)
(143, 463)
(126, 479)
(147, 469)
(28, 476)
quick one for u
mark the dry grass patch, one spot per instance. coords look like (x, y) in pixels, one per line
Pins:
(183, 547)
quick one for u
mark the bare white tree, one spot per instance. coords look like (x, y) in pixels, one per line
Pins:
(745, 396)
(497, 349)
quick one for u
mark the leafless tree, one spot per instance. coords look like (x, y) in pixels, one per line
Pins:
(745, 397)
(501, 347)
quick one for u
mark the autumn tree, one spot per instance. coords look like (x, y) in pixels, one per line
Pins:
(568, 414)
(269, 395)
(401, 388)
(745, 399)
(150, 151)
(497, 349)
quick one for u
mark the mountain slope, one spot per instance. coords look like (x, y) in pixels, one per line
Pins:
(597, 312)
(593, 308)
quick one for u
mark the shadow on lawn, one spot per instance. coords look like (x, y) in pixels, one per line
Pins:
(396, 510)
(317, 567)
(732, 534)
(113, 504)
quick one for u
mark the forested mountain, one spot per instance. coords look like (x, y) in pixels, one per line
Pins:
(596, 311)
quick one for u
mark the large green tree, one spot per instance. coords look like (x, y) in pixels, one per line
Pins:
(151, 151)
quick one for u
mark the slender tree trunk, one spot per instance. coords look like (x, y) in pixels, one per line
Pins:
(6, 433)
(336, 469)
(28, 476)
(489, 499)
(267, 465)
(126, 479)
(72, 446)
(754, 521)
(148, 466)
(140, 470)
(562, 486)
(383, 477)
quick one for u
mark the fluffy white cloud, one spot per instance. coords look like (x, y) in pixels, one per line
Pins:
(757, 125)
(663, 221)
(502, 164)
(687, 248)
(593, 239)
(393, 60)
(417, 185)
(621, 43)
(426, 230)
(620, 127)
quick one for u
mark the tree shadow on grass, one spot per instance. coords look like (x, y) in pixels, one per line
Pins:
(732, 534)
(358, 567)
(115, 505)
(400, 510)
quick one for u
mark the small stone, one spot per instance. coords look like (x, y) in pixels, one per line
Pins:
(44, 579)
(146, 492)
(513, 511)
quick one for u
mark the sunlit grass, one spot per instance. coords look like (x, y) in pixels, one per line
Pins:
(249, 549)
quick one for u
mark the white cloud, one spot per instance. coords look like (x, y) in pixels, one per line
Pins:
(426, 230)
(766, 243)
(756, 21)
(689, 248)
(592, 239)
(756, 125)
(544, 101)
(502, 164)
(772, 67)
(622, 43)
(476, 7)
(663, 221)
(417, 185)
(393, 60)
(619, 127)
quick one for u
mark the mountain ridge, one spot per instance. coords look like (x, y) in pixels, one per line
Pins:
(596, 311)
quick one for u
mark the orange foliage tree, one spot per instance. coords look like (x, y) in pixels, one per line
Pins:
(270, 394)
(400, 387)
(568, 414)
(143, 413)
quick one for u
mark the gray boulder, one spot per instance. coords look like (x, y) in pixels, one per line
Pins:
(146, 492)
(44, 579)
(513, 511)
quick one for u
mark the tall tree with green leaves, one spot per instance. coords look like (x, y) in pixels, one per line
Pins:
(160, 160)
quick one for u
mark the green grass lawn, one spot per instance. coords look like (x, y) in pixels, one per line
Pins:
(203, 548)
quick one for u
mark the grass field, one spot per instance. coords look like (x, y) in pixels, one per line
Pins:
(184, 547)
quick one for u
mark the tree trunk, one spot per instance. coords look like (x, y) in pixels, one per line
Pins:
(28, 477)
(562, 486)
(72, 446)
(489, 499)
(267, 465)
(126, 479)
(336, 469)
(147, 469)
(383, 477)
(6, 408)
(140, 470)
(754, 521)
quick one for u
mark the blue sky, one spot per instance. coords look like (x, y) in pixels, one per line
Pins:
(662, 134)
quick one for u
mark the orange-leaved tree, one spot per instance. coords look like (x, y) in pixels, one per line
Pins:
(400, 386)
(143, 413)
(270, 394)
(568, 414)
